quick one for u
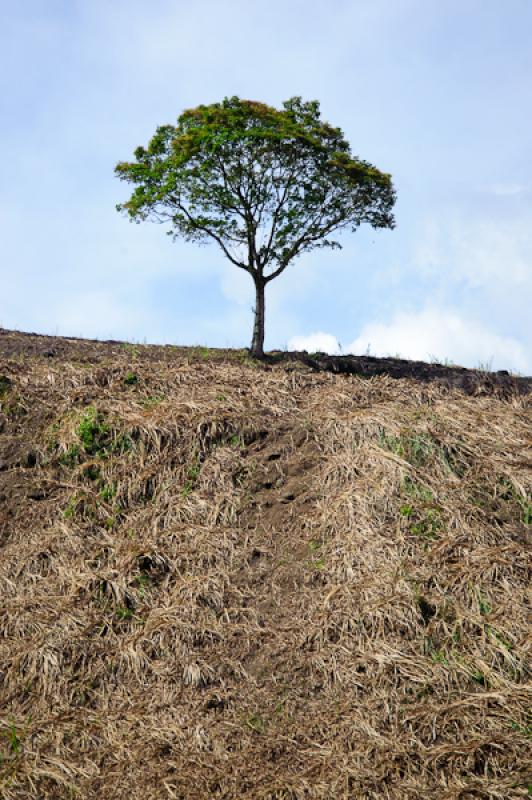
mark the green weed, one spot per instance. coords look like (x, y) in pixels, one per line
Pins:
(72, 506)
(427, 525)
(523, 730)
(418, 449)
(439, 657)
(153, 401)
(93, 432)
(15, 742)
(71, 457)
(107, 492)
(484, 606)
(256, 723)
(123, 613)
(192, 475)
(131, 379)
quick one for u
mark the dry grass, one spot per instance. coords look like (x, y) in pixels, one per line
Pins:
(220, 580)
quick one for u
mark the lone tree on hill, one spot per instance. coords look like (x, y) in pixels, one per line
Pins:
(265, 184)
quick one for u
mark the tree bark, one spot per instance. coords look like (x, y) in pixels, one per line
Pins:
(257, 344)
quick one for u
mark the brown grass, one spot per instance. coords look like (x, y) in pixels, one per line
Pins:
(227, 580)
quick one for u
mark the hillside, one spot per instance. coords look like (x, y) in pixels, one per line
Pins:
(271, 581)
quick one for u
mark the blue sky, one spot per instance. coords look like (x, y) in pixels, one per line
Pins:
(437, 93)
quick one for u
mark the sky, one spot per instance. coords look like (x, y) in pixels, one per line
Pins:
(439, 94)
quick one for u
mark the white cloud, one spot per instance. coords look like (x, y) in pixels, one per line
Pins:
(444, 335)
(491, 255)
(508, 189)
(315, 343)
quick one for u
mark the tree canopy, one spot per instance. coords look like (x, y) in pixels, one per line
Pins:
(265, 184)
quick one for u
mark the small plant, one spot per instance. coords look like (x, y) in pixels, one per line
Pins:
(499, 638)
(71, 457)
(484, 606)
(416, 490)
(71, 507)
(439, 657)
(13, 738)
(256, 723)
(93, 432)
(406, 510)
(480, 678)
(91, 472)
(143, 583)
(428, 525)
(523, 730)
(192, 475)
(123, 613)
(107, 492)
(416, 448)
(131, 379)
(152, 401)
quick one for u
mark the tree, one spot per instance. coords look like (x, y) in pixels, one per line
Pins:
(265, 184)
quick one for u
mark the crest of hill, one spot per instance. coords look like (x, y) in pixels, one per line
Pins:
(296, 579)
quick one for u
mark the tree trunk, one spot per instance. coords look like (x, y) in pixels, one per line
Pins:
(257, 343)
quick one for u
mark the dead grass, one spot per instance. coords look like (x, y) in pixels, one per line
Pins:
(220, 580)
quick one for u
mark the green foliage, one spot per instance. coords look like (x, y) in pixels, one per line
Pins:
(484, 605)
(522, 730)
(152, 401)
(123, 613)
(131, 379)
(192, 475)
(107, 492)
(226, 167)
(13, 738)
(256, 723)
(416, 448)
(96, 438)
(422, 513)
(93, 432)
(71, 457)
(71, 507)
(265, 184)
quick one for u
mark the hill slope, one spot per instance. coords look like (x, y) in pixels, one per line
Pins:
(223, 579)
